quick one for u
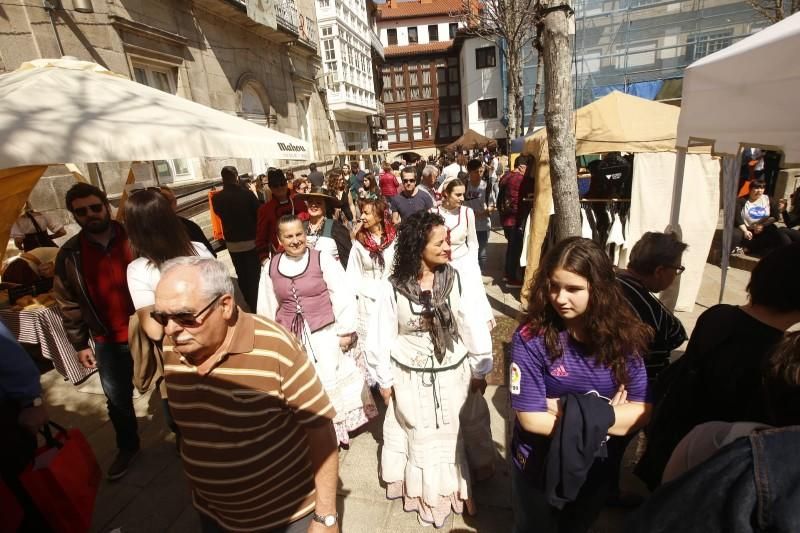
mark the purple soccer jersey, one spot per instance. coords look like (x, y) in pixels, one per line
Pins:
(534, 378)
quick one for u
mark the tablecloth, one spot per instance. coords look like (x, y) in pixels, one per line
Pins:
(43, 326)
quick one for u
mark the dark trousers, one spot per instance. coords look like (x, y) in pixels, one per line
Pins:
(248, 270)
(209, 525)
(115, 365)
(532, 513)
(770, 238)
(514, 237)
(483, 241)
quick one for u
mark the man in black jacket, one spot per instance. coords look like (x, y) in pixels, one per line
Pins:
(238, 209)
(91, 288)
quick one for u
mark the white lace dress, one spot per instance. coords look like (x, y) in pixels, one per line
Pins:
(423, 459)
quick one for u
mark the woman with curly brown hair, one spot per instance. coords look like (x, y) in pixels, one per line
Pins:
(427, 353)
(580, 337)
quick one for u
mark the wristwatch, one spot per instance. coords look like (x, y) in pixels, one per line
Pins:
(327, 520)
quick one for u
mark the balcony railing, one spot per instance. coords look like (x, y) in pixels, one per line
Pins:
(287, 16)
(307, 31)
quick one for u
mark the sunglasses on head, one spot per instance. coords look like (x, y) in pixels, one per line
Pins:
(83, 211)
(185, 319)
(140, 189)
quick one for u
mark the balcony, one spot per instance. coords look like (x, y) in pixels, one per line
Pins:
(279, 22)
(307, 31)
(376, 43)
(286, 15)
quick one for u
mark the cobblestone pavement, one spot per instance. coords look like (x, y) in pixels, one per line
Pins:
(153, 497)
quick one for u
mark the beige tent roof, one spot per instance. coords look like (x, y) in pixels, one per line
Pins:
(619, 122)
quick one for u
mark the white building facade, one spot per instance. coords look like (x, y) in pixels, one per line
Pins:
(345, 47)
(482, 87)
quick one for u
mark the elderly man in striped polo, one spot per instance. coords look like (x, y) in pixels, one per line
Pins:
(258, 444)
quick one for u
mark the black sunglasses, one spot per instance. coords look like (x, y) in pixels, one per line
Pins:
(83, 211)
(184, 320)
(410, 181)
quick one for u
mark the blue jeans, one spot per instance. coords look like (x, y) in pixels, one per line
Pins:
(115, 366)
(483, 241)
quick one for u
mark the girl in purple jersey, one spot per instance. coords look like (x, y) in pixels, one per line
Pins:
(579, 337)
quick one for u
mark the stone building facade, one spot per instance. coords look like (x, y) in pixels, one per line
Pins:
(260, 61)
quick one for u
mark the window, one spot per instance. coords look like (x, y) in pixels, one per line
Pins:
(453, 29)
(412, 35)
(447, 78)
(449, 122)
(324, 3)
(329, 52)
(391, 35)
(487, 108)
(485, 57)
(702, 44)
(163, 78)
(425, 70)
(391, 133)
(402, 127)
(416, 125)
(433, 33)
(327, 32)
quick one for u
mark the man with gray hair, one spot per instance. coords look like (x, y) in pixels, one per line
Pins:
(654, 263)
(258, 444)
(428, 183)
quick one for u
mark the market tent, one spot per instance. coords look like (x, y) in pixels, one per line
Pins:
(625, 123)
(743, 95)
(55, 111)
(470, 140)
(727, 109)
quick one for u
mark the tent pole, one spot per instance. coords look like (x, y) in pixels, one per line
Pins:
(731, 166)
(677, 189)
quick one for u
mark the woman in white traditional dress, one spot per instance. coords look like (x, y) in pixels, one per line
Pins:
(370, 259)
(427, 354)
(307, 292)
(461, 234)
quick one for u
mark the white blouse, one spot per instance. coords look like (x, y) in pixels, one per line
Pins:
(461, 231)
(143, 276)
(474, 334)
(342, 295)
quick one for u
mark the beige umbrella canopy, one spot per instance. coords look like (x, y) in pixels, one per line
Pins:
(55, 111)
(471, 140)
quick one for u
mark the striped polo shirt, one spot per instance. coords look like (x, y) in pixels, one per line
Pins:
(243, 445)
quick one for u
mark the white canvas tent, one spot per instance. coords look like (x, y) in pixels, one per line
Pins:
(57, 111)
(745, 95)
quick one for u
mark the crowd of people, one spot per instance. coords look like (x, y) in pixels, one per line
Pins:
(353, 289)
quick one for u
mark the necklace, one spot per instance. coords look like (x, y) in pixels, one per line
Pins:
(313, 230)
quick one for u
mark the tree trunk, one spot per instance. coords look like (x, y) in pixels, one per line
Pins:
(514, 92)
(537, 90)
(560, 119)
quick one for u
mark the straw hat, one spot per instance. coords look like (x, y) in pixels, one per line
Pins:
(319, 192)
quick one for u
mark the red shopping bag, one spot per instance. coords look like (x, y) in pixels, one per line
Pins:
(10, 510)
(63, 480)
